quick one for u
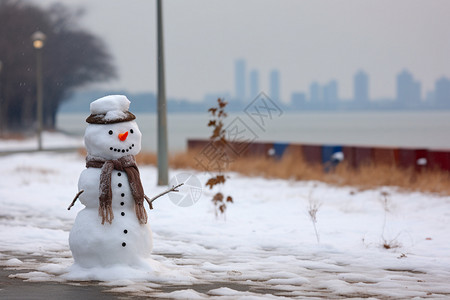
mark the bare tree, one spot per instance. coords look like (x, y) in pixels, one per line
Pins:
(72, 57)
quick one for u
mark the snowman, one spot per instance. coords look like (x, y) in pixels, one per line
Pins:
(112, 229)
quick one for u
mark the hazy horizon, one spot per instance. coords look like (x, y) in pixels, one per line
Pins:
(305, 40)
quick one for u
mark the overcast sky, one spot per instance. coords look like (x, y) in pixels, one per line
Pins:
(306, 40)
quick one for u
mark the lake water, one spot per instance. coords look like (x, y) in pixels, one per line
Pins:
(398, 129)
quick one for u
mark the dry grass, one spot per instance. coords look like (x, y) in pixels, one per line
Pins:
(292, 166)
(370, 176)
(13, 136)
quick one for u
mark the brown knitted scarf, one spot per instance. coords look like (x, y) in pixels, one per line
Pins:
(125, 164)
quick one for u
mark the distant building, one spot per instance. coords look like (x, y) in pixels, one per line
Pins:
(442, 92)
(430, 97)
(254, 84)
(361, 87)
(212, 97)
(408, 89)
(298, 100)
(274, 79)
(330, 92)
(314, 92)
(240, 80)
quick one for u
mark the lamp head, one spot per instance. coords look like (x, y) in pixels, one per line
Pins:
(38, 39)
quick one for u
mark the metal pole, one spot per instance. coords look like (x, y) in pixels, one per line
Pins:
(39, 96)
(1, 100)
(163, 174)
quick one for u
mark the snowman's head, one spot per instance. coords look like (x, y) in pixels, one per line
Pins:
(112, 131)
(112, 141)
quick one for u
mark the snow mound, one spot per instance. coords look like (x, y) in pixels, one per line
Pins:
(153, 271)
(188, 294)
(13, 262)
(113, 103)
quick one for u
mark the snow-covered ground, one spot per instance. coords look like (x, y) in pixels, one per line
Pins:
(266, 247)
(49, 140)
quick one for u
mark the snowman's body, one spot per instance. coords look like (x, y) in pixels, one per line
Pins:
(124, 241)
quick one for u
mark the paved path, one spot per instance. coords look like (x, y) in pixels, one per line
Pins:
(18, 289)
(14, 288)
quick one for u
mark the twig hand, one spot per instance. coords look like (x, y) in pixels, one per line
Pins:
(75, 199)
(172, 189)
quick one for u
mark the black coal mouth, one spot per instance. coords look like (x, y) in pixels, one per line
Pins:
(121, 150)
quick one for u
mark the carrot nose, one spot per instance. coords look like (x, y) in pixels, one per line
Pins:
(123, 136)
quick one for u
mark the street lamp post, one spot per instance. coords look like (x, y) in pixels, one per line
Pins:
(162, 113)
(1, 66)
(1, 100)
(38, 39)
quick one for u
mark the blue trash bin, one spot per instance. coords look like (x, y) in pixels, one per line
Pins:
(279, 149)
(331, 156)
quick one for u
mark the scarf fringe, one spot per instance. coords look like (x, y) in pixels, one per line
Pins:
(106, 213)
(141, 214)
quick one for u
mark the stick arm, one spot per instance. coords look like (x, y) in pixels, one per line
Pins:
(172, 189)
(75, 199)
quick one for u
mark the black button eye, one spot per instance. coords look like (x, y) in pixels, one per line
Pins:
(110, 132)
(131, 131)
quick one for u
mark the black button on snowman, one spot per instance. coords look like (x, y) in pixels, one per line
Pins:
(111, 187)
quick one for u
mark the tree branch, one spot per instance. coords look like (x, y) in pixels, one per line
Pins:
(75, 199)
(172, 189)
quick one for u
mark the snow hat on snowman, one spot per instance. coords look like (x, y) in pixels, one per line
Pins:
(110, 109)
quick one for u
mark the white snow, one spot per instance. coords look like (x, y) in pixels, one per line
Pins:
(50, 140)
(13, 262)
(265, 248)
(112, 103)
(188, 294)
(224, 291)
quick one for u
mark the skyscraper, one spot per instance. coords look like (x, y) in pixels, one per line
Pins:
(330, 92)
(442, 91)
(408, 89)
(274, 79)
(361, 87)
(314, 92)
(254, 84)
(240, 79)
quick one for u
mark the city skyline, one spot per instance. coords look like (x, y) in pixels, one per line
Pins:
(320, 96)
(408, 89)
(305, 40)
(361, 87)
